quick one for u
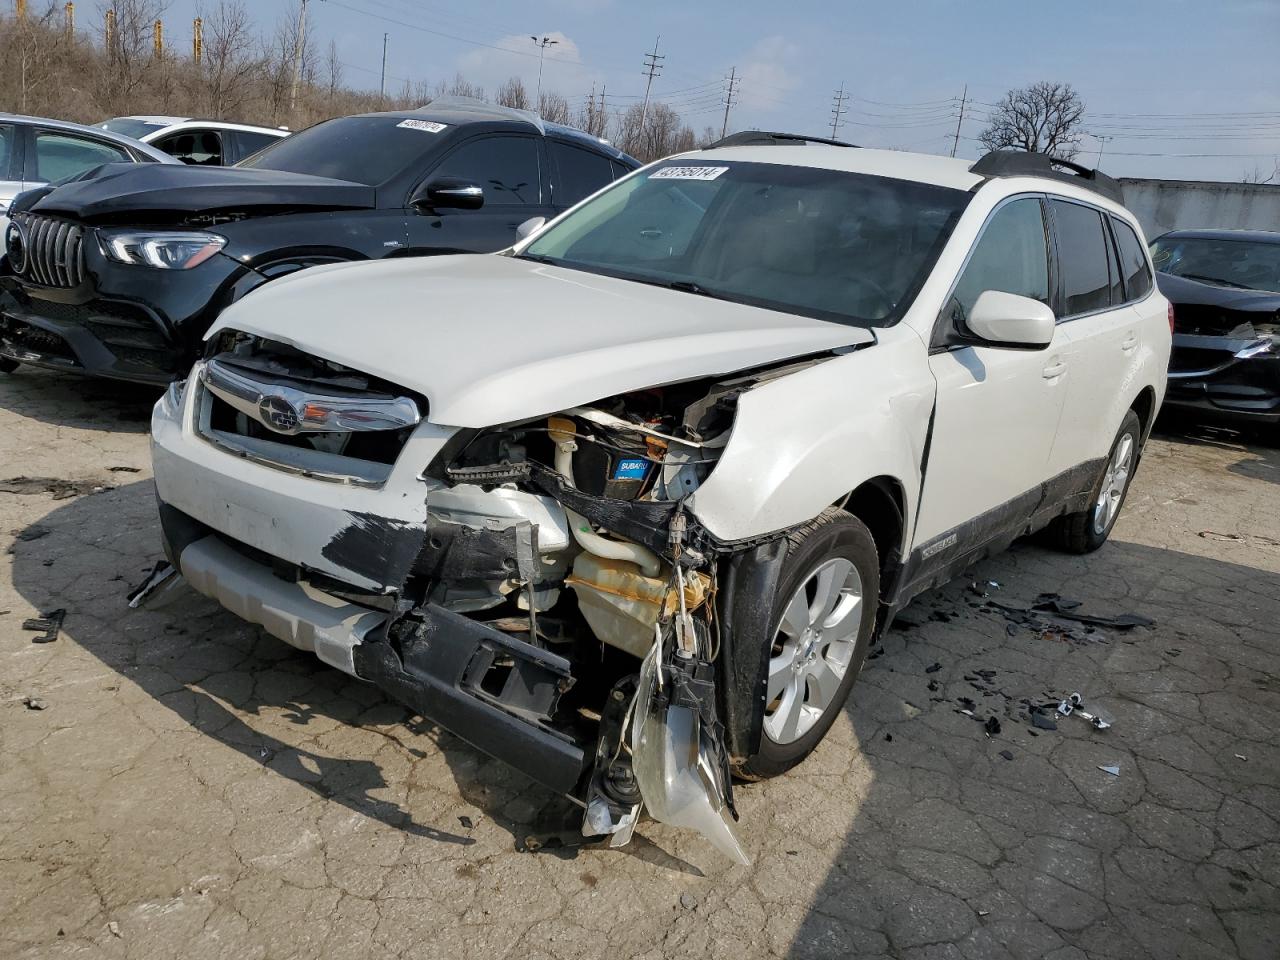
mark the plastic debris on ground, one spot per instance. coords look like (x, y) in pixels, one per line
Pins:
(47, 626)
(162, 575)
(34, 703)
(1113, 769)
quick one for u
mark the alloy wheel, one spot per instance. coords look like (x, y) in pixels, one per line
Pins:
(1114, 483)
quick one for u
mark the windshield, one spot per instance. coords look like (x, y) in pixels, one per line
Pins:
(1226, 262)
(845, 247)
(131, 127)
(368, 150)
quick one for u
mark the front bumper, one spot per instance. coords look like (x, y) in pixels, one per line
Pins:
(1225, 377)
(494, 691)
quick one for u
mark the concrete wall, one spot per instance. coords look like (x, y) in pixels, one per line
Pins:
(1162, 205)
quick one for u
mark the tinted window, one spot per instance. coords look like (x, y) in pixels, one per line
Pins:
(1223, 261)
(1082, 255)
(1011, 256)
(200, 148)
(506, 167)
(580, 173)
(1113, 271)
(849, 248)
(1133, 261)
(368, 150)
(61, 155)
(6, 151)
(253, 142)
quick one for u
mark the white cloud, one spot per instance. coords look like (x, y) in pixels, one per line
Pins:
(768, 75)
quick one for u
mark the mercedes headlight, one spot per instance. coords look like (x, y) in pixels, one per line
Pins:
(165, 249)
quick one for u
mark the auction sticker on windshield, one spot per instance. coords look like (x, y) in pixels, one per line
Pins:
(687, 173)
(430, 126)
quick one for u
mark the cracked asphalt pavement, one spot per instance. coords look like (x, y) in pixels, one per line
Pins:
(192, 788)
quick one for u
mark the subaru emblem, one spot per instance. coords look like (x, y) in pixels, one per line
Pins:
(278, 414)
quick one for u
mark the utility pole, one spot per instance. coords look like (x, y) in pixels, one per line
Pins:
(197, 40)
(382, 89)
(542, 43)
(69, 17)
(602, 116)
(729, 94)
(652, 68)
(1102, 142)
(109, 31)
(20, 9)
(157, 40)
(297, 56)
(838, 109)
(955, 144)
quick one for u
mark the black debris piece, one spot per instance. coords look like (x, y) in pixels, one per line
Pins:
(1066, 609)
(985, 674)
(966, 703)
(47, 626)
(34, 703)
(1038, 719)
(933, 684)
(938, 616)
(888, 738)
(1007, 754)
(34, 532)
(1011, 629)
(156, 578)
(61, 489)
(992, 726)
(124, 469)
(466, 822)
(933, 668)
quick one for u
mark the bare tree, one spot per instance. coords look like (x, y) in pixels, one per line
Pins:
(230, 65)
(512, 94)
(553, 107)
(1257, 176)
(1042, 118)
(333, 71)
(661, 135)
(459, 86)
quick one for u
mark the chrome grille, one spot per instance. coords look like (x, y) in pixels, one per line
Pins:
(54, 251)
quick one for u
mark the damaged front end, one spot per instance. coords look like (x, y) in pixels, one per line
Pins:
(550, 600)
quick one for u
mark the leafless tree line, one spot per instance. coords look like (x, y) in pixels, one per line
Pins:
(246, 75)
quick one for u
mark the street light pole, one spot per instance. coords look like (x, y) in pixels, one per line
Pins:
(542, 44)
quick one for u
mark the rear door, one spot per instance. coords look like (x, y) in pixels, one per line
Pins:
(1102, 330)
(997, 409)
(509, 168)
(576, 173)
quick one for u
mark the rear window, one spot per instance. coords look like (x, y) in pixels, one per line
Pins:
(368, 150)
(1082, 254)
(579, 173)
(131, 126)
(251, 142)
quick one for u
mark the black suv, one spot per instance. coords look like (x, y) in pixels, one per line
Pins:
(120, 273)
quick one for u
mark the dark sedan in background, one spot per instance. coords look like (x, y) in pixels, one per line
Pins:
(1224, 286)
(120, 273)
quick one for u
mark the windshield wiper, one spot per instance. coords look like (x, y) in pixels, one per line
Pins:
(538, 258)
(1217, 281)
(684, 286)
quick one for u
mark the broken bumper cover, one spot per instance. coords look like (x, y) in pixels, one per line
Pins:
(1226, 377)
(493, 691)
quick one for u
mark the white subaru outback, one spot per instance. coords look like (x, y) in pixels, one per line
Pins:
(625, 506)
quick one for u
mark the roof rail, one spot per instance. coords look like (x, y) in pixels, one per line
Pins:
(765, 138)
(1020, 163)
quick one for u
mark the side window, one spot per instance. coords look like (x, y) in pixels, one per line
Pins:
(579, 173)
(506, 167)
(62, 155)
(1011, 256)
(1133, 262)
(7, 140)
(251, 142)
(1083, 256)
(202, 148)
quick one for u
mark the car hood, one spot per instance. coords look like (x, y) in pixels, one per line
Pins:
(119, 190)
(492, 339)
(1184, 290)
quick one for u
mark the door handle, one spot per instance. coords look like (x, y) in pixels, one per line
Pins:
(1130, 342)
(1055, 369)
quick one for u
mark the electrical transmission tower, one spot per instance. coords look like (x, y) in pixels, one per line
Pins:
(652, 68)
(730, 97)
(838, 109)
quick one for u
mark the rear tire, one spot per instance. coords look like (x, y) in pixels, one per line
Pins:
(823, 615)
(1086, 530)
(7, 365)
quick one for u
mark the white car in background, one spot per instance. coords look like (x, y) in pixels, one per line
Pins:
(194, 141)
(625, 505)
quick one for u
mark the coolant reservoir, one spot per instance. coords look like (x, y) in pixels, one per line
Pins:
(621, 604)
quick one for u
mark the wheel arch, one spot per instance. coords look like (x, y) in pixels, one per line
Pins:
(881, 504)
(1144, 405)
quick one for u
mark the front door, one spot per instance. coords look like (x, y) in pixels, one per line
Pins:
(997, 409)
(509, 170)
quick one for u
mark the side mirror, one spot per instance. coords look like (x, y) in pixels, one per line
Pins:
(448, 193)
(1006, 319)
(529, 228)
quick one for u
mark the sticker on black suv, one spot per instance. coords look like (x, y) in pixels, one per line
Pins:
(429, 126)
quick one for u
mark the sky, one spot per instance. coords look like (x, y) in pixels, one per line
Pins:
(1182, 89)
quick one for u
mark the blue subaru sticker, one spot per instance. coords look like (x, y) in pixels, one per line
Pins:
(630, 469)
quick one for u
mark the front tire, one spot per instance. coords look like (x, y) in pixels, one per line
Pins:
(1088, 529)
(823, 615)
(7, 365)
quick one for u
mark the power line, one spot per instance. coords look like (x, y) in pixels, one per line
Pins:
(729, 94)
